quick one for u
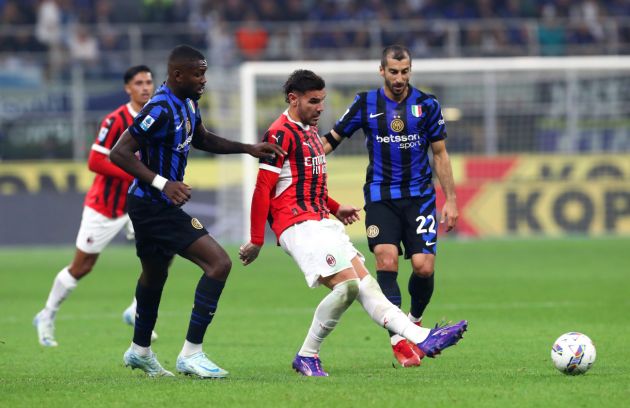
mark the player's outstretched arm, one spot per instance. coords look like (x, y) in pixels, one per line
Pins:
(444, 171)
(123, 155)
(330, 141)
(261, 202)
(210, 142)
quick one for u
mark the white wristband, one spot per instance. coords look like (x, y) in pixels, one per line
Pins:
(159, 182)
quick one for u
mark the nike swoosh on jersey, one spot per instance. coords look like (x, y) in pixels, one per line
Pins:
(373, 115)
(427, 243)
(179, 126)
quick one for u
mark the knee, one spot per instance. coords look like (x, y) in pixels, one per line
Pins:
(349, 291)
(424, 270)
(387, 263)
(220, 269)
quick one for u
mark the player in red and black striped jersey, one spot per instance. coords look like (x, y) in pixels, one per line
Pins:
(291, 193)
(104, 211)
(108, 194)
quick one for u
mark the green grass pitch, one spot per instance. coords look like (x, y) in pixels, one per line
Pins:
(518, 295)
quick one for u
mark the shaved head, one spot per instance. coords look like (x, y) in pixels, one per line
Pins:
(184, 56)
(186, 72)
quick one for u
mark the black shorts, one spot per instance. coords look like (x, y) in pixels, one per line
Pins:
(410, 221)
(162, 230)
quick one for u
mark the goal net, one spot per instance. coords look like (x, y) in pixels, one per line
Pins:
(539, 146)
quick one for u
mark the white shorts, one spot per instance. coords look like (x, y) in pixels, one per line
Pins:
(97, 230)
(320, 248)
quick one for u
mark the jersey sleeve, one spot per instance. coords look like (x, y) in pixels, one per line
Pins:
(107, 135)
(282, 139)
(198, 121)
(261, 200)
(436, 128)
(147, 124)
(351, 121)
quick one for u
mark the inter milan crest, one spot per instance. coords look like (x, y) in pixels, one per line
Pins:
(397, 125)
(188, 126)
(372, 231)
(196, 224)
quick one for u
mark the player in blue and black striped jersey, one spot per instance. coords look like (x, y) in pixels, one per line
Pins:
(162, 133)
(400, 124)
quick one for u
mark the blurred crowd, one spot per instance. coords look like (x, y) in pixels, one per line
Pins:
(90, 31)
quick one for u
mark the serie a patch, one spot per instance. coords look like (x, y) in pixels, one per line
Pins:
(147, 122)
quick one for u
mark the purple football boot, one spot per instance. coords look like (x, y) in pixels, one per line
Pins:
(442, 337)
(309, 366)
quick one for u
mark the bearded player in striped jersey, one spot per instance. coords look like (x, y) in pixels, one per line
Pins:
(400, 123)
(104, 211)
(291, 193)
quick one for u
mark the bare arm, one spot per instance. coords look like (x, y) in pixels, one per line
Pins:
(210, 142)
(326, 141)
(123, 155)
(444, 172)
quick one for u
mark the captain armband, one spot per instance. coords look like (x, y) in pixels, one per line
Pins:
(331, 140)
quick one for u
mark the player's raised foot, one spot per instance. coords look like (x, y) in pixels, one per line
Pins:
(442, 337)
(45, 330)
(405, 354)
(309, 366)
(129, 317)
(149, 364)
(199, 365)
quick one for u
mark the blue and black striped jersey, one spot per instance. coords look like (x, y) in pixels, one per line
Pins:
(397, 136)
(164, 129)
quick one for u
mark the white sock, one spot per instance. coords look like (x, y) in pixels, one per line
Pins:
(414, 319)
(141, 351)
(63, 285)
(327, 315)
(386, 314)
(395, 339)
(190, 348)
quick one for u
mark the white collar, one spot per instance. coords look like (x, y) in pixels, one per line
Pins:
(132, 112)
(300, 124)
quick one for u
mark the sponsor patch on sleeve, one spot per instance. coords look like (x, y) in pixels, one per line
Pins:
(147, 122)
(102, 134)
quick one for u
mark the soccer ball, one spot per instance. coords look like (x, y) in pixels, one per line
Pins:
(573, 353)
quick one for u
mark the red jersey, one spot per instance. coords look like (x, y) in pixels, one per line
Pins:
(290, 189)
(108, 194)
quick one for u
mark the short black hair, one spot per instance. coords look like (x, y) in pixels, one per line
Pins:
(135, 70)
(302, 81)
(184, 53)
(397, 52)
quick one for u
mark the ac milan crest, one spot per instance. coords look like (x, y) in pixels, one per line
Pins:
(330, 260)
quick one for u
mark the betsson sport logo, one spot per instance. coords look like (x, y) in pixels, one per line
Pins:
(404, 141)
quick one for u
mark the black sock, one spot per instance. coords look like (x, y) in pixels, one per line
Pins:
(206, 300)
(389, 285)
(148, 298)
(420, 290)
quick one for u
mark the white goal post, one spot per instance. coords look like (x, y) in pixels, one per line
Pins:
(491, 75)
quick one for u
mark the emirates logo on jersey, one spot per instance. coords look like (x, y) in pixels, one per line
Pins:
(316, 163)
(330, 260)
